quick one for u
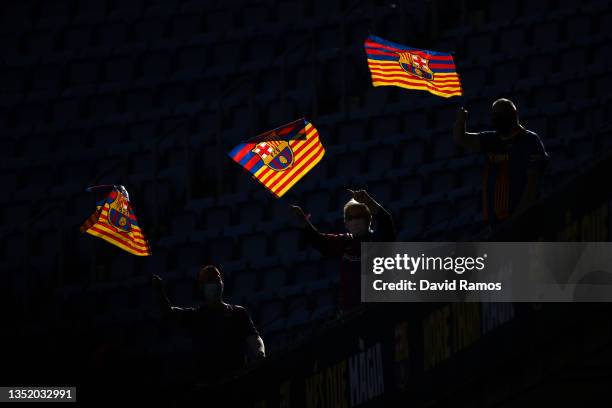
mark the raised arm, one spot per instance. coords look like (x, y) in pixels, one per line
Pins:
(160, 293)
(326, 244)
(461, 136)
(386, 228)
(179, 314)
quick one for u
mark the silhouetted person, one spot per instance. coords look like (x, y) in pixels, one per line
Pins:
(358, 215)
(515, 161)
(224, 336)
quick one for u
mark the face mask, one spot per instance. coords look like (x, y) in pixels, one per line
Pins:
(357, 227)
(503, 123)
(212, 291)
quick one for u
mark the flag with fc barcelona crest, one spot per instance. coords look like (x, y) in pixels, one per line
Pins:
(279, 158)
(412, 68)
(115, 222)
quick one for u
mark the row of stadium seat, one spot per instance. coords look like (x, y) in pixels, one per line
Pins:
(345, 141)
(212, 16)
(148, 98)
(111, 75)
(217, 16)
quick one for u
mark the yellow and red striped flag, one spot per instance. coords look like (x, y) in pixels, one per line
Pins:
(280, 157)
(412, 68)
(115, 222)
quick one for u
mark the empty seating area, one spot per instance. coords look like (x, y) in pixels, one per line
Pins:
(153, 94)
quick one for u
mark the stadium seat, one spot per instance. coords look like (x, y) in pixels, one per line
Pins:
(13, 80)
(77, 38)
(380, 158)
(411, 222)
(119, 69)
(286, 242)
(112, 33)
(544, 34)
(502, 11)
(91, 8)
(183, 291)
(217, 217)
(138, 100)
(471, 176)
(191, 57)
(219, 20)
(543, 95)
(66, 109)
(415, 121)
(255, 15)
(274, 278)
(384, 125)
(184, 26)
(103, 105)
(130, 9)
(582, 147)
(383, 191)
(244, 283)
(536, 8)
(156, 65)
(512, 40)
(289, 9)
(323, 311)
(540, 66)
(479, 44)
(297, 318)
(156, 264)
(439, 210)
(375, 99)
(188, 258)
(305, 272)
(507, 71)
(271, 313)
(443, 144)
(473, 77)
(410, 187)
(412, 153)
(8, 177)
(253, 246)
(578, 27)
(349, 164)
(351, 132)
(441, 180)
(153, 29)
(184, 222)
(45, 41)
(605, 19)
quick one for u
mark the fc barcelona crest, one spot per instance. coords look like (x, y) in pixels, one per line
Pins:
(119, 214)
(276, 154)
(416, 65)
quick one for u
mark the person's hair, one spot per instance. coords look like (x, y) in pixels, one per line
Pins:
(506, 103)
(352, 203)
(206, 271)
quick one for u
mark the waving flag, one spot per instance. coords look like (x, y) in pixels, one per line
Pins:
(114, 221)
(412, 68)
(281, 157)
